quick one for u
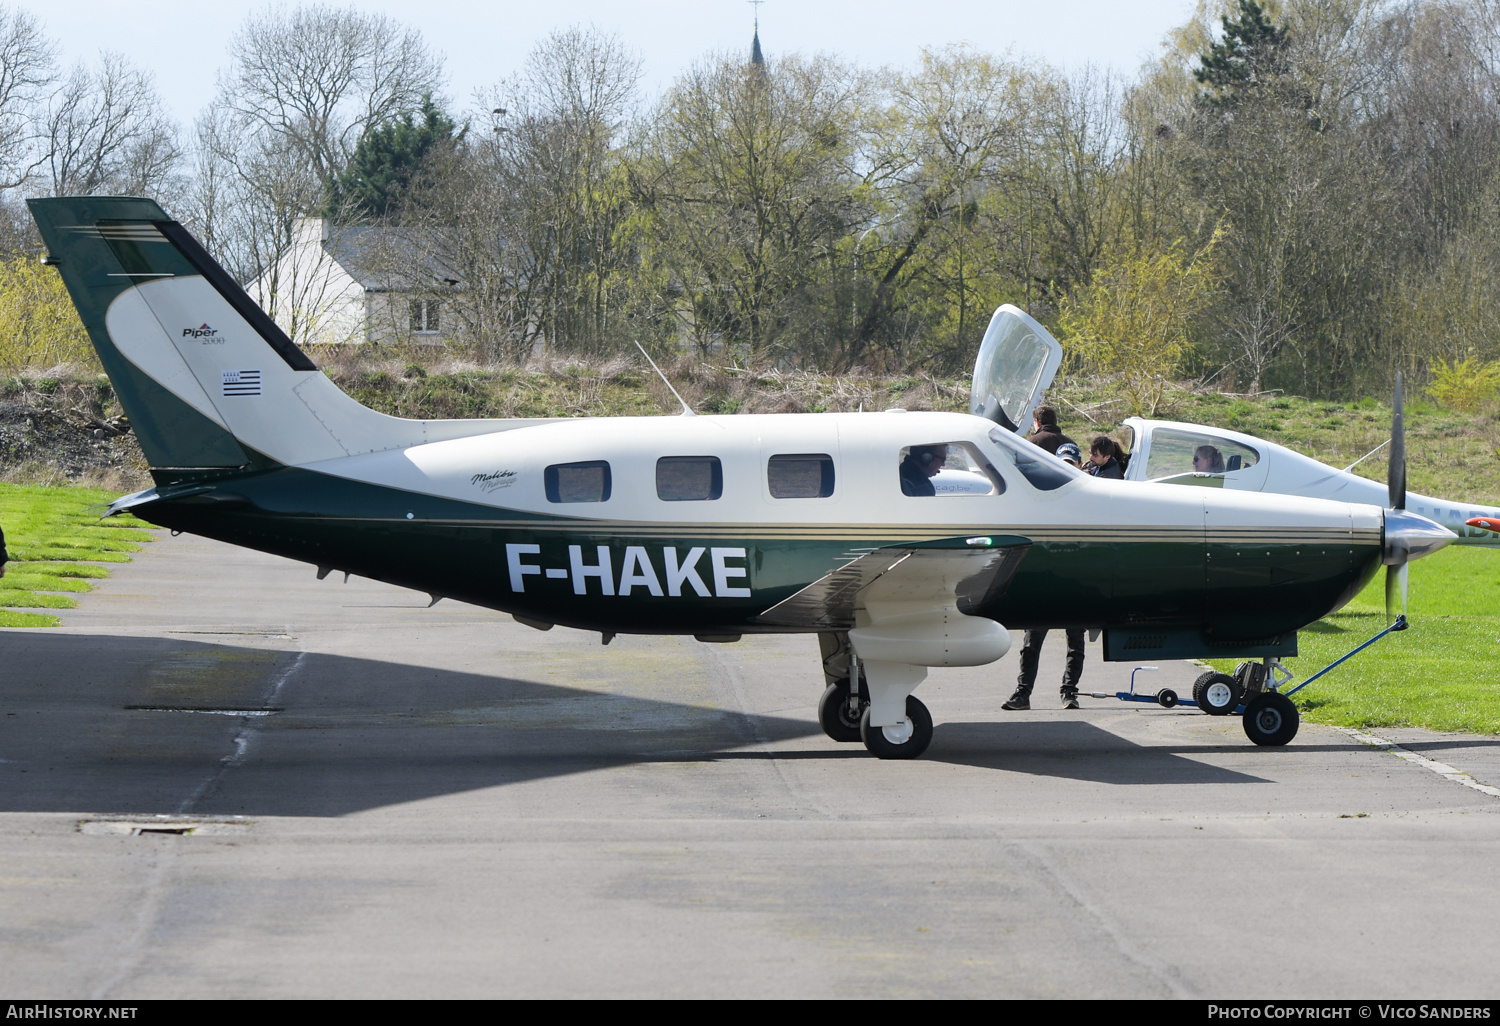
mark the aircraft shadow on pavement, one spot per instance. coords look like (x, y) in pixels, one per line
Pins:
(92, 725)
(1072, 749)
(121, 725)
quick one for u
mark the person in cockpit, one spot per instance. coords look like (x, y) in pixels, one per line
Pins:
(1208, 460)
(1107, 459)
(920, 466)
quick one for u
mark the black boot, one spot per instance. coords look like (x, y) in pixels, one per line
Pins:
(1018, 701)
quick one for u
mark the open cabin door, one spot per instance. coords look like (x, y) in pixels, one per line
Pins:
(1017, 361)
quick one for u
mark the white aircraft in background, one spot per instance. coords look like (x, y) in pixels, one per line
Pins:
(1162, 451)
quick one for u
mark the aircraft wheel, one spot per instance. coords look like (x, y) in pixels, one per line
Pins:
(906, 740)
(1217, 693)
(1271, 719)
(833, 715)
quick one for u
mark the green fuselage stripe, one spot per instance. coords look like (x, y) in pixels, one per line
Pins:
(1233, 583)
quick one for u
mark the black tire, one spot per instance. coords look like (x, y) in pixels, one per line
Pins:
(1167, 697)
(882, 747)
(1217, 694)
(1271, 720)
(1198, 686)
(833, 715)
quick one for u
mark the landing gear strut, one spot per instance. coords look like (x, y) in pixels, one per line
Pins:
(840, 716)
(839, 711)
(845, 715)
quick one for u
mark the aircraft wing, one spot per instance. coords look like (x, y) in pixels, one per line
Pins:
(966, 572)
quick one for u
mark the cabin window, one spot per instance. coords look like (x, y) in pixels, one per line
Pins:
(578, 482)
(1190, 454)
(800, 476)
(689, 478)
(946, 468)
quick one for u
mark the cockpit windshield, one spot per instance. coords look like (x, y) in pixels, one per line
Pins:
(1017, 361)
(1038, 466)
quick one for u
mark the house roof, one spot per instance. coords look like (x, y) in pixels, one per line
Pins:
(391, 259)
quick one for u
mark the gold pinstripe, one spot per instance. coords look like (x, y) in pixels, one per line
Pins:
(1040, 533)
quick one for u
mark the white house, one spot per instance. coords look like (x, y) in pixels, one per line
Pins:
(357, 284)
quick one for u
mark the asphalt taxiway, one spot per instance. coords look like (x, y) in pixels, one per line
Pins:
(382, 799)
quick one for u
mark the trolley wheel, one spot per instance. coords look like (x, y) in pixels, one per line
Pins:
(833, 714)
(905, 740)
(1217, 693)
(1271, 719)
(1167, 697)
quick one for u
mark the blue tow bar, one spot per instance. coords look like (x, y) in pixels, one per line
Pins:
(1166, 697)
(1399, 625)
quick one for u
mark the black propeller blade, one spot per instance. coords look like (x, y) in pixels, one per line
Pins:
(1395, 574)
(1396, 474)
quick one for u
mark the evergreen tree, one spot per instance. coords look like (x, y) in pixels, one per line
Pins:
(1251, 56)
(387, 160)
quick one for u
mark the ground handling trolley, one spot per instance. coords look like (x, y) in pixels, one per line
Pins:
(1270, 718)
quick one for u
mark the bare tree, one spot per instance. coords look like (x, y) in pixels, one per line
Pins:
(106, 132)
(27, 68)
(304, 87)
(317, 78)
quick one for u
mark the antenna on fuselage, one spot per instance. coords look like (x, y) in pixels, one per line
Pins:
(687, 411)
(1367, 455)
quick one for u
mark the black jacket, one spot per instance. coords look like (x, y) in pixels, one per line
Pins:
(913, 480)
(3, 556)
(1049, 438)
(1110, 469)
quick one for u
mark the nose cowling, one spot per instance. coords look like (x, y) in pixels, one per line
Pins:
(1411, 536)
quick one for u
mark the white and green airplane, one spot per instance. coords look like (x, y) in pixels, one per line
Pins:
(904, 540)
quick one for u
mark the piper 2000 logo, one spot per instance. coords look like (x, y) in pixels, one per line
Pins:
(209, 336)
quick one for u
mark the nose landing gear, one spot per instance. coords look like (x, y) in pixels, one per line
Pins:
(1271, 719)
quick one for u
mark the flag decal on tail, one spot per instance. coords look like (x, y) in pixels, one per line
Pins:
(241, 382)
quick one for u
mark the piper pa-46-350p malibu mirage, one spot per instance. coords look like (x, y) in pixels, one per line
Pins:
(904, 540)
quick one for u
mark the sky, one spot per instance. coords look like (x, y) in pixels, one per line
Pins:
(185, 44)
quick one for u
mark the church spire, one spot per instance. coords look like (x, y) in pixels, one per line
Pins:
(756, 57)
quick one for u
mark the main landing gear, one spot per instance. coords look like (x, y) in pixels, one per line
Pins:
(845, 716)
(840, 715)
(906, 739)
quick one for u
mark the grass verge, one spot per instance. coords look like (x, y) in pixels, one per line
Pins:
(55, 542)
(1443, 673)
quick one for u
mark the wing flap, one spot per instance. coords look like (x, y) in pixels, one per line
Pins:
(968, 572)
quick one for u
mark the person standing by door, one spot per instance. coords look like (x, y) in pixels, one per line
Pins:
(1044, 430)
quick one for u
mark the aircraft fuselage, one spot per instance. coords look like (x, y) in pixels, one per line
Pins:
(472, 519)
